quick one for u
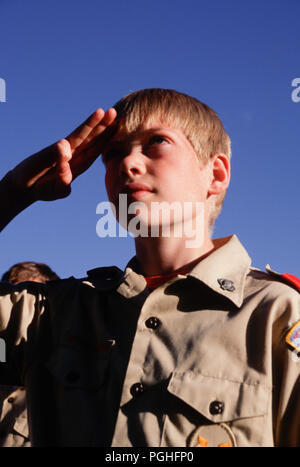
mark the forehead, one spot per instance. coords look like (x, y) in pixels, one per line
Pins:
(124, 134)
(122, 138)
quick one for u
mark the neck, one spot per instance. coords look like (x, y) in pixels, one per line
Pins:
(162, 255)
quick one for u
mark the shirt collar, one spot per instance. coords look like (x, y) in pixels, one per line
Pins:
(224, 270)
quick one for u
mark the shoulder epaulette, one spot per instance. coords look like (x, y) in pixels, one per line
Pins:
(285, 277)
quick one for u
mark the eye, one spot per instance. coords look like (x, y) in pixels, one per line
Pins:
(158, 139)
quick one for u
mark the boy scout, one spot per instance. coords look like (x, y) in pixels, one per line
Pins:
(13, 413)
(187, 346)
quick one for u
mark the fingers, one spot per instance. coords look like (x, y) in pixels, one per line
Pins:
(91, 148)
(54, 183)
(107, 120)
(98, 121)
(63, 170)
(109, 117)
(80, 133)
(97, 135)
(95, 127)
(72, 150)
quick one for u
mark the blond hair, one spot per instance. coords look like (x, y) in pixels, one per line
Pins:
(199, 123)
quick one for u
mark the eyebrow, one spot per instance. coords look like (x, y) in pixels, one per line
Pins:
(130, 136)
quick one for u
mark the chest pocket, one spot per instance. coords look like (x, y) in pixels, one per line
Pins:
(80, 365)
(230, 413)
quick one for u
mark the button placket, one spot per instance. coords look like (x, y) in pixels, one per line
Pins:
(146, 342)
(138, 353)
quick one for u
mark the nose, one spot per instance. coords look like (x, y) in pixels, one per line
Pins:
(133, 164)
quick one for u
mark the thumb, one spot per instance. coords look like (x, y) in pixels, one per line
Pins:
(63, 170)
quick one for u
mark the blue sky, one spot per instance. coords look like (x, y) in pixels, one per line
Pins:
(63, 59)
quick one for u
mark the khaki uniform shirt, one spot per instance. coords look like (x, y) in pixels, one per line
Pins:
(13, 418)
(200, 361)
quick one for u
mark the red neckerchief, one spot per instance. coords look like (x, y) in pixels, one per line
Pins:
(155, 281)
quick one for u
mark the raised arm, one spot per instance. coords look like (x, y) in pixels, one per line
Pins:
(47, 175)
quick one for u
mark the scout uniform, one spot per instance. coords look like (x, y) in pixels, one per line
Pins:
(13, 418)
(210, 358)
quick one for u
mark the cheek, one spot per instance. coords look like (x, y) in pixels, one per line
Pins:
(171, 183)
(163, 176)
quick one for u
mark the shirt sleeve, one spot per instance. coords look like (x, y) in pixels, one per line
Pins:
(286, 372)
(21, 309)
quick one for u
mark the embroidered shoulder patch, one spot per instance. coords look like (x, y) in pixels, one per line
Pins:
(293, 336)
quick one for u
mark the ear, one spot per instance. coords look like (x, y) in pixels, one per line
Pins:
(220, 174)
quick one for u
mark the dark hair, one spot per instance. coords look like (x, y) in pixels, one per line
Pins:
(29, 271)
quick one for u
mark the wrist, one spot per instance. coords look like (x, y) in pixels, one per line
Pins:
(12, 200)
(15, 196)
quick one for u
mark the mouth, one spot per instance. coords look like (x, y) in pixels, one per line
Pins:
(136, 191)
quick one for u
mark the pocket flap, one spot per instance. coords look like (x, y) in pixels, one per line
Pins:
(236, 399)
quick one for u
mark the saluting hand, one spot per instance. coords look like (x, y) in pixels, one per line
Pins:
(47, 175)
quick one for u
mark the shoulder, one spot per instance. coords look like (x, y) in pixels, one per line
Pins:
(36, 290)
(61, 291)
(271, 288)
(269, 279)
(33, 288)
(36, 287)
(275, 300)
(286, 278)
(102, 279)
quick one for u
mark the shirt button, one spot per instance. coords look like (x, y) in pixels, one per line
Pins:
(216, 407)
(153, 323)
(137, 389)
